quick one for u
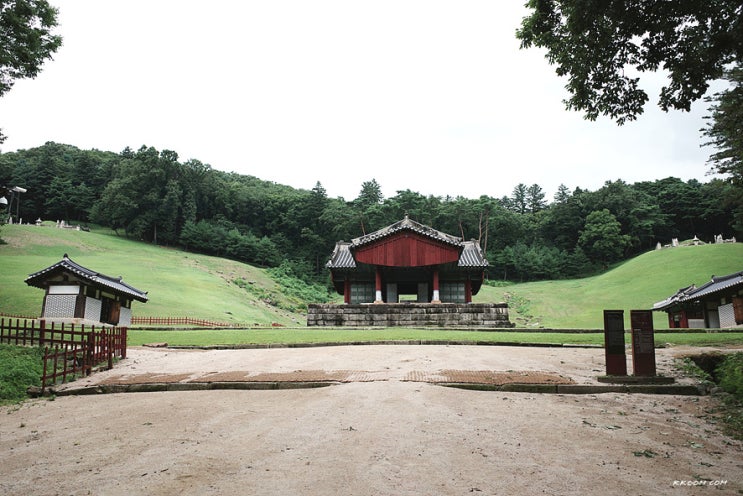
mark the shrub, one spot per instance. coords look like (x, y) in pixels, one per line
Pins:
(730, 375)
(20, 367)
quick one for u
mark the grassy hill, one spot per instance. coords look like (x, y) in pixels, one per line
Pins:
(179, 284)
(186, 284)
(633, 285)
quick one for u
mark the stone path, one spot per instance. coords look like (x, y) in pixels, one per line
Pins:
(543, 369)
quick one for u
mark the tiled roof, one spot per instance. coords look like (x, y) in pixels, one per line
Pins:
(115, 284)
(691, 293)
(718, 284)
(407, 225)
(470, 256)
(674, 299)
(341, 257)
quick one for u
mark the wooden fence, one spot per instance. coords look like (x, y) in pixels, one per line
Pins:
(69, 351)
(177, 321)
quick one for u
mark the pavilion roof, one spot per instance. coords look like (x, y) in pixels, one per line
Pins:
(471, 255)
(692, 293)
(115, 284)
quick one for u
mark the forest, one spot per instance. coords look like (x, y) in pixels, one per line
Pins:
(150, 195)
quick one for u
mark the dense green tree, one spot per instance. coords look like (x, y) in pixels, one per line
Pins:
(721, 209)
(518, 200)
(413, 204)
(681, 203)
(602, 239)
(151, 196)
(725, 129)
(144, 197)
(725, 133)
(535, 198)
(26, 40)
(370, 195)
(562, 194)
(563, 220)
(637, 213)
(599, 45)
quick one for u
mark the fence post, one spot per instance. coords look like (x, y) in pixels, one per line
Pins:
(108, 336)
(43, 373)
(42, 333)
(89, 354)
(123, 342)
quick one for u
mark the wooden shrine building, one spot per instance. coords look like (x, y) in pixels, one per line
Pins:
(406, 264)
(77, 294)
(407, 258)
(716, 304)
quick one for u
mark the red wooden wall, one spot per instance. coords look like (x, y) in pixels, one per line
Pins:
(406, 250)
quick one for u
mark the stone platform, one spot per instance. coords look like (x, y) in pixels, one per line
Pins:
(410, 315)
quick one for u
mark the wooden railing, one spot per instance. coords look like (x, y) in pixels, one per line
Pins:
(170, 321)
(69, 350)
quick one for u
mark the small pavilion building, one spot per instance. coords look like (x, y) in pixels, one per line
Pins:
(714, 305)
(74, 293)
(407, 258)
(412, 274)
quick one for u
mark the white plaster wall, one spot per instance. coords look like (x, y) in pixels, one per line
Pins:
(92, 309)
(125, 317)
(727, 316)
(60, 306)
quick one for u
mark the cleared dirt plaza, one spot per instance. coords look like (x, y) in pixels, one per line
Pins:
(383, 428)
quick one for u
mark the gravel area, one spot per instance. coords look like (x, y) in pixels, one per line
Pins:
(383, 428)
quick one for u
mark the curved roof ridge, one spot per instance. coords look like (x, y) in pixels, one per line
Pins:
(410, 225)
(114, 283)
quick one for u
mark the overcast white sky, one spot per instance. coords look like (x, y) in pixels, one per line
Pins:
(428, 95)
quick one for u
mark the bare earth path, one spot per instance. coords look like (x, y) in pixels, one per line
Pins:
(386, 429)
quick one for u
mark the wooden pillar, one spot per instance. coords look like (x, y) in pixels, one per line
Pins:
(378, 286)
(436, 296)
(468, 291)
(684, 319)
(346, 290)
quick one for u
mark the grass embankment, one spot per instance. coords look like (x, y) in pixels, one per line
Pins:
(633, 285)
(281, 336)
(182, 284)
(727, 372)
(20, 368)
(179, 284)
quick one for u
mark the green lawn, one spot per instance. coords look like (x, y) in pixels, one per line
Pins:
(179, 284)
(633, 285)
(279, 336)
(182, 284)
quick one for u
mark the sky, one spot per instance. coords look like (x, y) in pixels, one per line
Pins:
(427, 95)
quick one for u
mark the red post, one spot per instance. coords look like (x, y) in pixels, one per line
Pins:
(123, 342)
(616, 361)
(43, 374)
(643, 343)
(109, 345)
(89, 353)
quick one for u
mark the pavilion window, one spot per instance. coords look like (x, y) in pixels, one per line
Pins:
(452, 292)
(362, 292)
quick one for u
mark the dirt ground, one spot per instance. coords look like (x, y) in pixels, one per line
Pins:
(385, 427)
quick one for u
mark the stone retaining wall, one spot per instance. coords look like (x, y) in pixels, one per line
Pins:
(410, 315)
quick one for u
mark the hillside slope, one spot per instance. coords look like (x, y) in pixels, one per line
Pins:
(178, 283)
(186, 284)
(635, 284)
